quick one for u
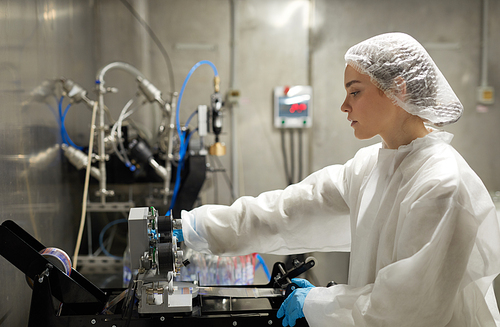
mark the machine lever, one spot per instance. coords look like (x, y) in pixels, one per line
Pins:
(290, 288)
(300, 268)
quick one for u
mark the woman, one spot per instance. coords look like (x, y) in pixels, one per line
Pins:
(424, 236)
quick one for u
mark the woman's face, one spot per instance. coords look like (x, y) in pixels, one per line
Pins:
(368, 109)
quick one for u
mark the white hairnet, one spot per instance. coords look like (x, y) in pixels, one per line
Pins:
(402, 68)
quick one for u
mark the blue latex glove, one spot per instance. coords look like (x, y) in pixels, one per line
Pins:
(179, 235)
(291, 309)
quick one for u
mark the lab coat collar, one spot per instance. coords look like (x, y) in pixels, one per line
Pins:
(435, 136)
(391, 159)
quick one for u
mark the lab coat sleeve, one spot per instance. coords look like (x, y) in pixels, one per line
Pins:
(304, 217)
(445, 261)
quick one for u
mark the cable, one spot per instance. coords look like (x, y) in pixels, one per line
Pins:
(117, 128)
(155, 40)
(128, 303)
(226, 177)
(285, 160)
(191, 117)
(85, 188)
(301, 154)
(101, 237)
(185, 143)
(292, 158)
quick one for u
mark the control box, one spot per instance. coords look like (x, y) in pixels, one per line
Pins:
(293, 106)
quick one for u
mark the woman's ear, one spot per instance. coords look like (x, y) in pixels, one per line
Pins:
(400, 88)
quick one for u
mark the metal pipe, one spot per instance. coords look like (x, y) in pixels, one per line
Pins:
(234, 106)
(160, 170)
(116, 65)
(484, 55)
(103, 192)
(102, 163)
(102, 151)
(310, 50)
(170, 149)
(79, 160)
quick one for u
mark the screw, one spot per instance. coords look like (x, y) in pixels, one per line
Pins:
(235, 323)
(93, 321)
(162, 318)
(269, 322)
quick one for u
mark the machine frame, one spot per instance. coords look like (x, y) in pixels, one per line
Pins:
(81, 303)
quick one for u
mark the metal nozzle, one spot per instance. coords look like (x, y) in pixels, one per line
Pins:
(79, 160)
(217, 149)
(150, 91)
(75, 92)
(217, 84)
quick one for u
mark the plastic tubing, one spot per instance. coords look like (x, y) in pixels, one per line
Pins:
(191, 117)
(117, 127)
(264, 266)
(177, 186)
(101, 237)
(191, 71)
(64, 133)
(184, 143)
(85, 188)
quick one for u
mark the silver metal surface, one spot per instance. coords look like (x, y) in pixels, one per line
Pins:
(90, 264)
(39, 41)
(243, 292)
(110, 206)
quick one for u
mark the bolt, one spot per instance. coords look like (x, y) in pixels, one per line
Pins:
(162, 318)
(93, 321)
(235, 323)
(270, 322)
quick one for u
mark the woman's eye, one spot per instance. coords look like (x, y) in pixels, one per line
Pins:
(354, 93)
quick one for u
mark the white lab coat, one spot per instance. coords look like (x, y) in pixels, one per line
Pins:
(424, 236)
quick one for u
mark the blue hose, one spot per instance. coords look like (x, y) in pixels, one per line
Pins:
(191, 117)
(185, 142)
(177, 186)
(264, 266)
(101, 237)
(191, 71)
(64, 133)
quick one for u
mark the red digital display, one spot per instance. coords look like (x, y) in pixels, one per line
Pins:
(298, 107)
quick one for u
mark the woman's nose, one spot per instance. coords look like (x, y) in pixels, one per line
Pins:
(345, 107)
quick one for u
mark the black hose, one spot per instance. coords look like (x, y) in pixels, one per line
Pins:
(156, 41)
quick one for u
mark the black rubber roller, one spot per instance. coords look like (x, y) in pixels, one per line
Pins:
(165, 228)
(165, 257)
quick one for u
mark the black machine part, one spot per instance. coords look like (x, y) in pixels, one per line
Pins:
(23, 251)
(140, 150)
(82, 303)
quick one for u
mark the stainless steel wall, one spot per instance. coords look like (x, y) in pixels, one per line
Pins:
(39, 40)
(278, 42)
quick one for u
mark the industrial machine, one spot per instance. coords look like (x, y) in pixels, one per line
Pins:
(63, 297)
(128, 163)
(122, 152)
(125, 152)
